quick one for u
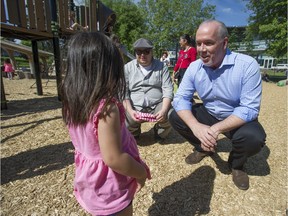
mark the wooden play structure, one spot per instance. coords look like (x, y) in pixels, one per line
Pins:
(37, 20)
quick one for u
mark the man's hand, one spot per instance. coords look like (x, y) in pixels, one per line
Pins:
(133, 114)
(161, 115)
(206, 135)
(174, 78)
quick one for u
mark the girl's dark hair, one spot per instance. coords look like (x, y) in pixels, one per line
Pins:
(187, 38)
(192, 42)
(95, 71)
(7, 61)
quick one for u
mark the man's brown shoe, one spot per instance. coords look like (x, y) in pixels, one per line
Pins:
(196, 157)
(240, 179)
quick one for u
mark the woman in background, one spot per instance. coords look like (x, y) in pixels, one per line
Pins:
(187, 54)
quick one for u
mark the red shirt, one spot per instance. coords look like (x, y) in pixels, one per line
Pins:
(185, 58)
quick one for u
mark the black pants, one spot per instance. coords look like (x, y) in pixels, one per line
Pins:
(247, 140)
(181, 75)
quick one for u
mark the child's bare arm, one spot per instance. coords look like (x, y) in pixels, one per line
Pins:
(109, 134)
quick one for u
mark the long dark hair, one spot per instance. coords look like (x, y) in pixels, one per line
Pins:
(7, 61)
(94, 71)
(187, 38)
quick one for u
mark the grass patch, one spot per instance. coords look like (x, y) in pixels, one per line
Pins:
(275, 73)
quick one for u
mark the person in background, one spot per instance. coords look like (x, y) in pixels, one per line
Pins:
(149, 90)
(164, 58)
(229, 84)
(8, 68)
(108, 168)
(187, 54)
(265, 77)
(125, 54)
(73, 24)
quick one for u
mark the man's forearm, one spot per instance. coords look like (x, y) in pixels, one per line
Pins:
(227, 124)
(188, 118)
(166, 104)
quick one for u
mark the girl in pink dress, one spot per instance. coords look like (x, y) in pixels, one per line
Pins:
(108, 169)
(8, 68)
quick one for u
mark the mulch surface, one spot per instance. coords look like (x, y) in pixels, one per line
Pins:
(37, 163)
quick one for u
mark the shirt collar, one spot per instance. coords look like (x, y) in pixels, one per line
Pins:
(229, 58)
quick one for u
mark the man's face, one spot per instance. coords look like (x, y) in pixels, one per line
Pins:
(144, 56)
(210, 46)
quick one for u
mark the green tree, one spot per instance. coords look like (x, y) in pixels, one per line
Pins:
(130, 24)
(234, 39)
(45, 45)
(269, 22)
(167, 20)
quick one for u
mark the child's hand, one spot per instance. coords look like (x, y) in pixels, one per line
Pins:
(141, 182)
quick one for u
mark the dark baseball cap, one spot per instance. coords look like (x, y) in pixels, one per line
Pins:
(143, 43)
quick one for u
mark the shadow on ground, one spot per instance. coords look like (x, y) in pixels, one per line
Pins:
(256, 165)
(189, 196)
(36, 162)
(147, 138)
(32, 124)
(17, 108)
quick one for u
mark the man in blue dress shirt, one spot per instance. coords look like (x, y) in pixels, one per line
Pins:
(229, 85)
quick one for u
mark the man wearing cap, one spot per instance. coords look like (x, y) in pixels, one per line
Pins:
(149, 91)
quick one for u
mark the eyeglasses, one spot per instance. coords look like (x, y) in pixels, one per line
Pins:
(145, 52)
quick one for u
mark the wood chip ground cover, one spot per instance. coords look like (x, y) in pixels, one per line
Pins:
(37, 163)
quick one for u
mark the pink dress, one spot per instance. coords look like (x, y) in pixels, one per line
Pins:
(8, 67)
(97, 188)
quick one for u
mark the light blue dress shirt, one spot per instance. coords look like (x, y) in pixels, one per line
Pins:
(235, 88)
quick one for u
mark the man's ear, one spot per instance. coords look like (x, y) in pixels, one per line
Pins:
(225, 42)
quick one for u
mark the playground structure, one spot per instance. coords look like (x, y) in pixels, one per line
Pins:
(11, 47)
(51, 20)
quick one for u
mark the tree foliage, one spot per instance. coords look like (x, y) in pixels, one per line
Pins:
(269, 22)
(130, 24)
(235, 37)
(167, 20)
(45, 45)
(162, 21)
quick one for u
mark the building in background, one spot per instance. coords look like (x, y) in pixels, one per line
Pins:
(256, 49)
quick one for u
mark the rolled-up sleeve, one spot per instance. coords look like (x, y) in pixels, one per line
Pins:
(251, 93)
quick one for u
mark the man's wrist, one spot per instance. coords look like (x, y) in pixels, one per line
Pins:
(215, 129)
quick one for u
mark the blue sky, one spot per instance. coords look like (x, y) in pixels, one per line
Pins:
(231, 12)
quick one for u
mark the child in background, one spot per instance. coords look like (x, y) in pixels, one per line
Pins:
(8, 68)
(73, 24)
(165, 58)
(108, 169)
